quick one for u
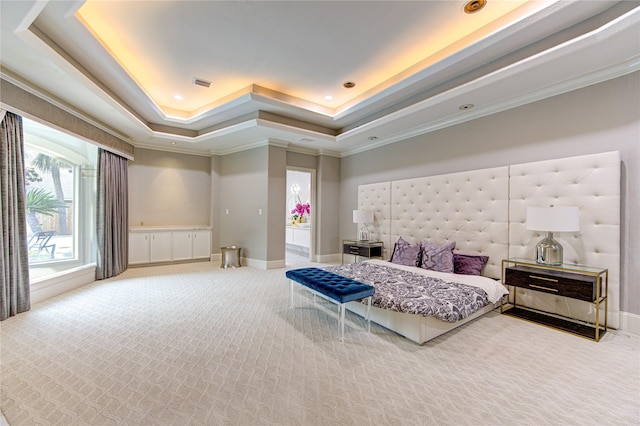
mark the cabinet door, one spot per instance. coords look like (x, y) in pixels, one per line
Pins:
(160, 247)
(182, 246)
(138, 248)
(289, 235)
(201, 244)
(302, 237)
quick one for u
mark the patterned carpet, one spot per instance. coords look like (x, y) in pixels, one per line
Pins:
(195, 345)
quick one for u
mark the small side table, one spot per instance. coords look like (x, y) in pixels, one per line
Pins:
(578, 282)
(359, 249)
(230, 257)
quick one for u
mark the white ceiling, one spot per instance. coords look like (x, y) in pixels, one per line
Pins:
(119, 65)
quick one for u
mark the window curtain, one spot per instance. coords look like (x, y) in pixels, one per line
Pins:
(14, 259)
(112, 215)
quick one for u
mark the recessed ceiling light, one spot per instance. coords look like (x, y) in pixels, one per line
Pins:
(465, 106)
(349, 84)
(178, 97)
(173, 143)
(328, 98)
(473, 6)
(372, 138)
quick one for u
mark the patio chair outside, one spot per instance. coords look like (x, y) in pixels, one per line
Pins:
(40, 241)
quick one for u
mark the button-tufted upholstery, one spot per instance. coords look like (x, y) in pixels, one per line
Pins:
(339, 288)
(377, 198)
(484, 212)
(470, 208)
(591, 182)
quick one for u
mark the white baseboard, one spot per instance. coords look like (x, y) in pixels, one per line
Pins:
(630, 322)
(275, 264)
(328, 258)
(262, 264)
(62, 282)
(253, 263)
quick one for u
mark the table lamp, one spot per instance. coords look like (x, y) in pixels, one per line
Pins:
(550, 220)
(363, 217)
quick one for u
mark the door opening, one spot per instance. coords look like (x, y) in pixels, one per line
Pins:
(300, 211)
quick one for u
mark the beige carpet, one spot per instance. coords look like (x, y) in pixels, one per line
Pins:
(196, 345)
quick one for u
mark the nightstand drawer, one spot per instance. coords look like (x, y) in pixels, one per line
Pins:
(364, 251)
(575, 286)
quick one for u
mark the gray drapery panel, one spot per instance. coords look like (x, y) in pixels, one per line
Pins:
(15, 296)
(112, 215)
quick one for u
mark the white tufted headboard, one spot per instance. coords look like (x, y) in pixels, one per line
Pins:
(591, 182)
(377, 197)
(484, 212)
(470, 208)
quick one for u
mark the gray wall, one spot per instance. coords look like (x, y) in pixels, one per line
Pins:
(277, 203)
(599, 118)
(179, 189)
(306, 161)
(243, 191)
(169, 189)
(328, 201)
(215, 212)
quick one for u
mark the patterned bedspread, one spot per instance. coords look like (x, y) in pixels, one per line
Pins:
(405, 291)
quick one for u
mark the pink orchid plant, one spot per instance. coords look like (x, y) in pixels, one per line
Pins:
(300, 210)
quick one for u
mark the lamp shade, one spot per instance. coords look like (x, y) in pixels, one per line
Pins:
(363, 216)
(553, 219)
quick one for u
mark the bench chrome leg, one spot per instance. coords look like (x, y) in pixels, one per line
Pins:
(290, 294)
(342, 322)
(369, 314)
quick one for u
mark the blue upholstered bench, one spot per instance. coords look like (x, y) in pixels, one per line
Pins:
(336, 287)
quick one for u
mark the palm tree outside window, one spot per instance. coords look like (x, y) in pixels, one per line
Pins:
(60, 187)
(49, 201)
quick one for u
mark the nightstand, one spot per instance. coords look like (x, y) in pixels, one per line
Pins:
(577, 282)
(368, 249)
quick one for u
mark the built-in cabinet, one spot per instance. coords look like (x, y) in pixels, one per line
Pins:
(146, 247)
(191, 244)
(168, 244)
(298, 236)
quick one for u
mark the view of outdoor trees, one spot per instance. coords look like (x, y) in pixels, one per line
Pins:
(49, 201)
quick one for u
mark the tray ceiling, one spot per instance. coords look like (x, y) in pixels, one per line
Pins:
(277, 69)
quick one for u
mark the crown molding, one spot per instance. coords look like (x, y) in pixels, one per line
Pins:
(527, 69)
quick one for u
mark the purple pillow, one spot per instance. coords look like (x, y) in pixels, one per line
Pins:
(405, 253)
(468, 265)
(437, 258)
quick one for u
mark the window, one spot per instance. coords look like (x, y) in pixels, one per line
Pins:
(60, 198)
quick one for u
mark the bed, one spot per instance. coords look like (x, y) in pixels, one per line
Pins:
(483, 212)
(421, 304)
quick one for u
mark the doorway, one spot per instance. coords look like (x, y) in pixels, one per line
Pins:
(300, 212)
